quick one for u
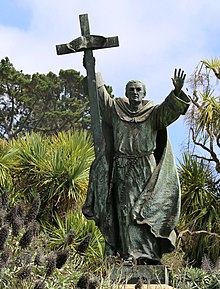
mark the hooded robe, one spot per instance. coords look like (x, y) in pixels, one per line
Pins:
(134, 192)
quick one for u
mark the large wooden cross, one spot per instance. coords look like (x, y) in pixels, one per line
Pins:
(87, 43)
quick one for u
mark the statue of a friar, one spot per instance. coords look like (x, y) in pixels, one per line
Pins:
(134, 191)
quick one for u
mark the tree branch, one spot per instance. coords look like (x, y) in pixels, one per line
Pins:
(187, 231)
(201, 157)
(197, 143)
(218, 140)
(195, 99)
(213, 154)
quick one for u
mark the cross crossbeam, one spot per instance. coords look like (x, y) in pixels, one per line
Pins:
(87, 43)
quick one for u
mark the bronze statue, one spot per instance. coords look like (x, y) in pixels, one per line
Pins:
(134, 193)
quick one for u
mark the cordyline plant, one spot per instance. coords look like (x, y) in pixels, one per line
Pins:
(203, 117)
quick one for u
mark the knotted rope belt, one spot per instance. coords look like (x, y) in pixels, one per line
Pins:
(131, 162)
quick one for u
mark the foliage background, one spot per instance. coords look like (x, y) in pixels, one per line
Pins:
(46, 150)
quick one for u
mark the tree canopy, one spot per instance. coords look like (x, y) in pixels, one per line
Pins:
(46, 103)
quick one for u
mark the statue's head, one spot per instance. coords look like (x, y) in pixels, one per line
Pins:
(135, 82)
(135, 91)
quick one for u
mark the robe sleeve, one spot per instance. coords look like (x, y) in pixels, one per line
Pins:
(106, 102)
(170, 109)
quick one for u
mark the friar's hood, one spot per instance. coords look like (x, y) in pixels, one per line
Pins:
(123, 111)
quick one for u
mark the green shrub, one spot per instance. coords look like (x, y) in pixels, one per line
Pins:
(200, 211)
(56, 167)
(195, 278)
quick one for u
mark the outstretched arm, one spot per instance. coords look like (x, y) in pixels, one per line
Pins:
(175, 104)
(105, 100)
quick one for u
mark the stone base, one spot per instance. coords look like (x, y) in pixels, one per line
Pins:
(151, 274)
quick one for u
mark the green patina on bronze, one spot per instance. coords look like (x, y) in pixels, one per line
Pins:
(134, 192)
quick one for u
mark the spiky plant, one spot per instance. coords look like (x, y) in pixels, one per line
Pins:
(66, 169)
(20, 266)
(84, 231)
(200, 214)
(8, 162)
(57, 167)
(194, 278)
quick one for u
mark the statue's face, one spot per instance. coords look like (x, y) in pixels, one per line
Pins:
(135, 93)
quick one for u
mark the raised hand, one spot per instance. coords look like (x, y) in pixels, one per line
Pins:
(178, 80)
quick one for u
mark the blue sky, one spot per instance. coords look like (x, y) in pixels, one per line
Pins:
(155, 37)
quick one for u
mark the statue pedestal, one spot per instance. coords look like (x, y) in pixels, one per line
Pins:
(151, 274)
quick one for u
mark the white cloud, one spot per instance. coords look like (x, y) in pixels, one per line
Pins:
(155, 37)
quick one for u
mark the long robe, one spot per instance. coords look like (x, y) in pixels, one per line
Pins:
(134, 192)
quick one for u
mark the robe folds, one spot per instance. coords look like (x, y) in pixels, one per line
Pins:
(134, 191)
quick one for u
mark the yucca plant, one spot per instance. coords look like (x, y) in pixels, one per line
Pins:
(200, 214)
(66, 170)
(81, 235)
(8, 162)
(57, 167)
(31, 150)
